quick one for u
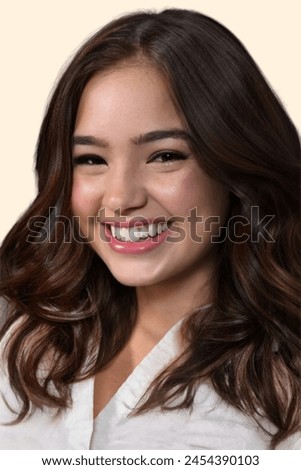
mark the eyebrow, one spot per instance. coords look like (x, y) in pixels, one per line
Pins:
(160, 135)
(139, 140)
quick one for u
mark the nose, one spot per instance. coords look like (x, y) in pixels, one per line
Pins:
(124, 191)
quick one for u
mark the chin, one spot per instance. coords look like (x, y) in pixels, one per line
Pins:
(133, 281)
(133, 278)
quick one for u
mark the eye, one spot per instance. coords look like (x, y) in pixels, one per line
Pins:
(89, 160)
(167, 157)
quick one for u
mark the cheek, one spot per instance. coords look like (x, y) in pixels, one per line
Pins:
(177, 193)
(192, 189)
(206, 195)
(194, 193)
(85, 198)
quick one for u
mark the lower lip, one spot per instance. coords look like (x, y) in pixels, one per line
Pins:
(135, 248)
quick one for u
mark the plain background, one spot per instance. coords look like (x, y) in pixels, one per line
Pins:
(37, 37)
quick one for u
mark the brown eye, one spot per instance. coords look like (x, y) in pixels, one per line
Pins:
(168, 157)
(89, 160)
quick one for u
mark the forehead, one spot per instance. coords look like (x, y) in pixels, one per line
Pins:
(132, 95)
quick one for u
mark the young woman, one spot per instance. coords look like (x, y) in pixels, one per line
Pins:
(150, 292)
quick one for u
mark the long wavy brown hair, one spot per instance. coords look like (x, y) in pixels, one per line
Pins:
(64, 306)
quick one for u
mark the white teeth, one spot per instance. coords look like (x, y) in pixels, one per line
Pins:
(162, 227)
(134, 234)
(124, 233)
(152, 231)
(141, 232)
(115, 231)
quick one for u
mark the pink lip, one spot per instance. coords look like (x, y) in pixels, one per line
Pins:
(135, 248)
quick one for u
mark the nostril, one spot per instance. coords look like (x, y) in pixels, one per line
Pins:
(124, 199)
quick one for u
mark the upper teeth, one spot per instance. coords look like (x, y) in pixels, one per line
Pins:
(136, 233)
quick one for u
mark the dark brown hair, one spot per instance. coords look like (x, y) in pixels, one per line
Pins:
(72, 314)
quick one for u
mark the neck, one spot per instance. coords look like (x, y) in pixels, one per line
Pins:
(162, 305)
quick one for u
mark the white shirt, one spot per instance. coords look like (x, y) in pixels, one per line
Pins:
(212, 424)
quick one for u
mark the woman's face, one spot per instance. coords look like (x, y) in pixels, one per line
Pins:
(137, 184)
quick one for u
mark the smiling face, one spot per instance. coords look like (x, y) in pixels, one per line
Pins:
(133, 162)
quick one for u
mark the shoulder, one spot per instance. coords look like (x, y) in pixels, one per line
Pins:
(231, 428)
(224, 426)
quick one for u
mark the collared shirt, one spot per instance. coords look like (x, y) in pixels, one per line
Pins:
(212, 424)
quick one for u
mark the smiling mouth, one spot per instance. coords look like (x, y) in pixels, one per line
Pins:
(138, 234)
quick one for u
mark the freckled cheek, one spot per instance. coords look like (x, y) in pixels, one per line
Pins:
(192, 194)
(193, 189)
(180, 195)
(86, 198)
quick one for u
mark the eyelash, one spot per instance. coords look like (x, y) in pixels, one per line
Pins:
(89, 160)
(169, 156)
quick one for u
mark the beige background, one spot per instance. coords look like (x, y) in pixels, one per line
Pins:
(37, 36)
